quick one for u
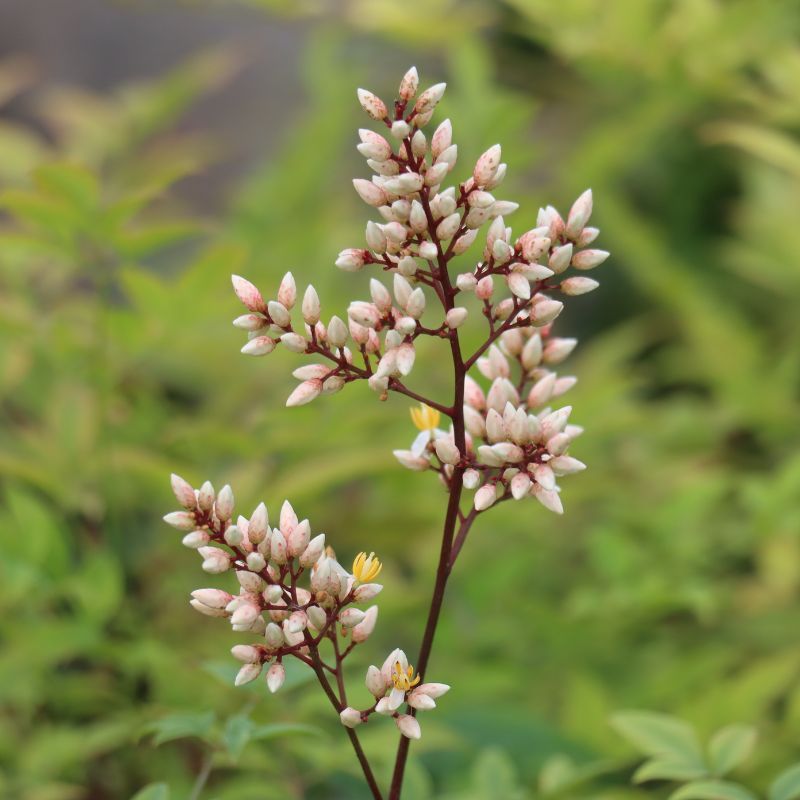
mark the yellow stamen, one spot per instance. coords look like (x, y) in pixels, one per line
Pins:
(404, 680)
(425, 417)
(366, 567)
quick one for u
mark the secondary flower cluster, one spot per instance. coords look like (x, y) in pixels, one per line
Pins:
(287, 618)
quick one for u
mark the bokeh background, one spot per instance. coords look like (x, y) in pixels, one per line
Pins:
(149, 149)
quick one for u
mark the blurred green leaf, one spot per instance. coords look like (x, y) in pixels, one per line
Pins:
(181, 726)
(787, 785)
(730, 747)
(712, 790)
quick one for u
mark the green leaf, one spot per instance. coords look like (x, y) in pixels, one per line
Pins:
(787, 785)
(237, 733)
(660, 735)
(730, 746)
(664, 769)
(153, 791)
(712, 790)
(181, 726)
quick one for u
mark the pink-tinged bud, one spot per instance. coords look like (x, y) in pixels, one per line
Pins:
(428, 251)
(317, 617)
(485, 497)
(350, 260)
(256, 562)
(311, 306)
(456, 317)
(560, 258)
(442, 138)
(297, 622)
(419, 144)
(507, 452)
(416, 303)
(428, 100)
(273, 636)
(563, 385)
(288, 518)
(250, 322)
(246, 653)
(462, 244)
(589, 259)
(215, 560)
(376, 239)
(287, 291)
(558, 349)
(316, 547)
(366, 314)
(448, 226)
(279, 314)
(206, 496)
(471, 479)
(434, 690)
(260, 346)
(245, 615)
(473, 394)
(435, 175)
(406, 354)
(489, 457)
(409, 84)
(408, 726)
(223, 507)
(299, 538)
(276, 675)
(520, 485)
(337, 332)
(400, 129)
(558, 444)
(498, 178)
(350, 717)
(367, 591)
(484, 288)
(405, 183)
(579, 215)
(370, 193)
(410, 461)
(350, 617)
(544, 476)
(420, 701)
(447, 452)
(250, 582)
(504, 207)
(566, 465)
(519, 285)
(294, 342)
(213, 598)
(207, 611)
(196, 539)
(248, 294)
(375, 682)
(373, 145)
(549, 499)
(258, 525)
(249, 672)
(545, 311)
(372, 104)
(278, 548)
(532, 352)
(304, 393)
(486, 166)
(183, 491)
(579, 285)
(181, 520)
(417, 218)
(363, 630)
(555, 422)
(588, 235)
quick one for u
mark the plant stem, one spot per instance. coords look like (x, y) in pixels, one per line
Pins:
(202, 776)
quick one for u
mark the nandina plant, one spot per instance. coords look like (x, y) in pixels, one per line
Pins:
(496, 438)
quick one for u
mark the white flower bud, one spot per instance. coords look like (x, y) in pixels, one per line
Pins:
(485, 497)
(588, 259)
(408, 726)
(442, 138)
(375, 682)
(486, 166)
(566, 465)
(369, 192)
(248, 294)
(212, 598)
(421, 701)
(350, 617)
(207, 610)
(350, 717)
(350, 260)
(519, 285)
(246, 653)
(278, 547)
(406, 354)
(279, 314)
(436, 174)
(313, 551)
(372, 104)
(588, 235)
(400, 129)
(466, 281)
(223, 506)
(447, 452)
(429, 98)
(471, 478)
(545, 311)
(258, 525)
(250, 322)
(311, 306)
(256, 562)
(463, 242)
(259, 346)
(249, 672)
(409, 84)
(276, 675)
(215, 560)
(317, 617)
(410, 461)
(558, 349)
(196, 539)
(484, 288)
(428, 250)
(299, 538)
(448, 226)
(287, 291)
(250, 582)
(337, 332)
(363, 630)
(404, 183)
(579, 215)
(416, 303)
(294, 342)
(183, 491)
(419, 144)
(181, 520)
(520, 485)
(304, 393)
(456, 317)
(578, 285)
(532, 352)
(549, 499)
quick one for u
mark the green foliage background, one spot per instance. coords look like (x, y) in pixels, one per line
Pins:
(672, 583)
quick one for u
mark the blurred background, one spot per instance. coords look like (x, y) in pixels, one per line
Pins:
(149, 149)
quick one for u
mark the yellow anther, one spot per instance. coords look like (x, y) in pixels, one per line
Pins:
(425, 417)
(404, 680)
(366, 567)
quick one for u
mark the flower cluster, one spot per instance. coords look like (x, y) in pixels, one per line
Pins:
(501, 437)
(287, 618)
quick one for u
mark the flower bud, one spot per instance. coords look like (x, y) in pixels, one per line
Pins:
(579, 215)
(350, 260)
(259, 346)
(249, 672)
(486, 166)
(429, 98)
(549, 499)
(408, 726)
(276, 675)
(304, 393)
(196, 539)
(213, 598)
(299, 538)
(278, 547)
(256, 562)
(248, 294)
(350, 617)
(183, 491)
(456, 317)
(578, 285)
(313, 551)
(484, 288)
(588, 259)
(545, 311)
(442, 138)
(447, 452)
(485, 497)
(369, 192)
(372, 104)
(375, 682)
(246, 653)
(363, 630)
(182, 520)
(350, 717)
(409, 84)
(471, 478)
